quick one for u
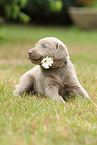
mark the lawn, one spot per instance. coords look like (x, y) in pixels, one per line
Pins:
(36, 120)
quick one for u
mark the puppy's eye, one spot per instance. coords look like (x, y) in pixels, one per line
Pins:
(44, 46)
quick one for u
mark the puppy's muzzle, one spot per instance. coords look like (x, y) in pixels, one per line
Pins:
(30, 53)
(34, 58)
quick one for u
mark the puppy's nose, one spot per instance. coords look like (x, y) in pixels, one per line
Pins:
(29, 52)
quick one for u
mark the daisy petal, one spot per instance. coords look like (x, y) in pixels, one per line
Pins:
(46, 62)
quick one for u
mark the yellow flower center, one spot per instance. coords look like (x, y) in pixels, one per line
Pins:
(45, 60)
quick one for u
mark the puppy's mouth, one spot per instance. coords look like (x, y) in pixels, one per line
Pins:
(35, 60)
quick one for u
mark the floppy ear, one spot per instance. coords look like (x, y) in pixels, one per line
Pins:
(61, 51)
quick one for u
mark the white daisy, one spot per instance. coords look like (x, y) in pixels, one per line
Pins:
(47, 62)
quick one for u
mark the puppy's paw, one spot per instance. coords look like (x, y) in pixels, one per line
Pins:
(59, 100)
(16, 94)
(63, 102)
(16, 86)
(87, 97)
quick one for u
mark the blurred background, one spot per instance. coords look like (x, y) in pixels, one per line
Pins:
(41, 11)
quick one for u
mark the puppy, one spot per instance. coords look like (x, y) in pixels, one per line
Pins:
(54, 76)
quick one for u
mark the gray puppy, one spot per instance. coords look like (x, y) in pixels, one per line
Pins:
(54, 75)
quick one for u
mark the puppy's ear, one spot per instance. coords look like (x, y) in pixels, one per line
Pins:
(61, 51)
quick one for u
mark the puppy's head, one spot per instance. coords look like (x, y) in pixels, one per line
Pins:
(49, 47)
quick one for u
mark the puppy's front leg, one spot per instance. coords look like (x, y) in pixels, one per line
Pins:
(25, 83)
(80, 91)
(52, 92)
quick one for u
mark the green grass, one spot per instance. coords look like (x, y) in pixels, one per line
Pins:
(35, 120)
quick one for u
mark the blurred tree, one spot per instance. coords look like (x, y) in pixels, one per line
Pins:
(55, 5)
(11, 9)
(49, 11)
(41, 11)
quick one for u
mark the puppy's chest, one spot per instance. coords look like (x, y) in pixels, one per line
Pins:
(51, 77)
(63, 76)
(57, 76)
